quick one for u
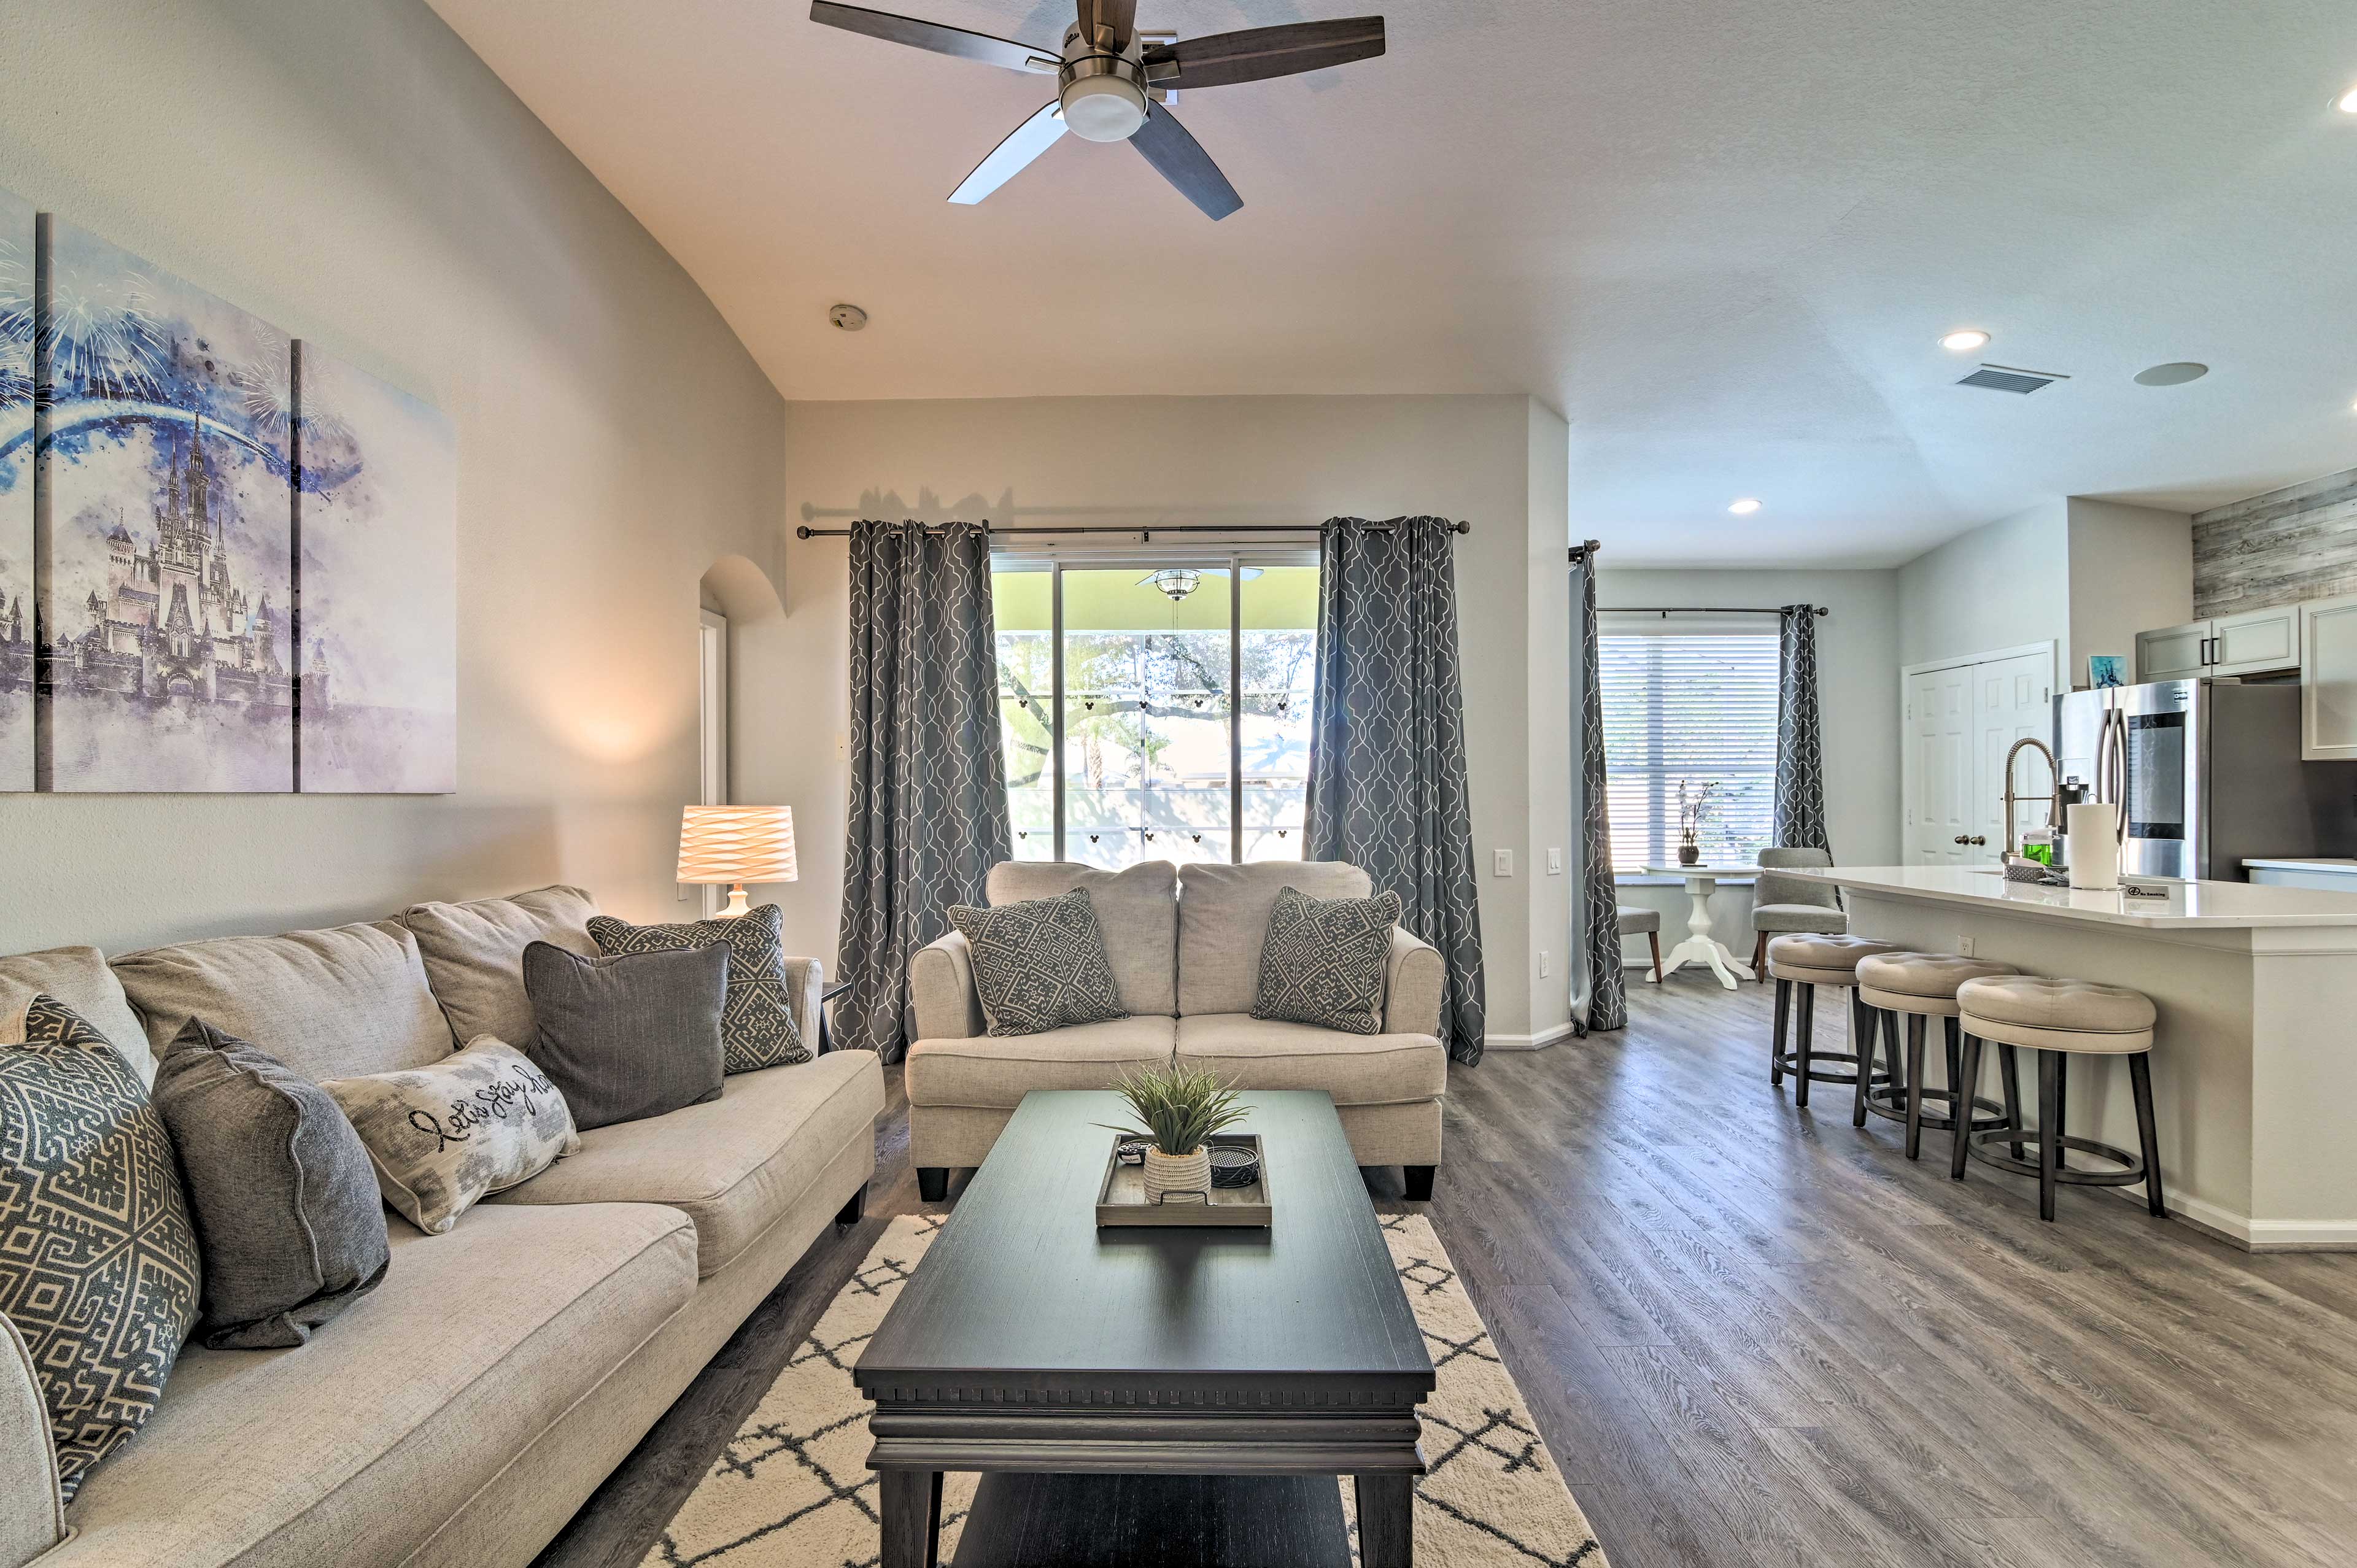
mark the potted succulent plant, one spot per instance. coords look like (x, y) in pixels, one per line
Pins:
(1177, 1109)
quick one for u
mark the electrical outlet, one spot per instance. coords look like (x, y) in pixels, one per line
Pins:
(1963, 947)
(1546, 963)
(1502, 863)
(1554, 863)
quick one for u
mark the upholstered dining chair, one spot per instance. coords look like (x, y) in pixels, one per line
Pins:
(1784, 904)
(1648, 922)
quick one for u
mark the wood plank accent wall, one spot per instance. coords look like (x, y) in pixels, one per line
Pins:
(2289, 545)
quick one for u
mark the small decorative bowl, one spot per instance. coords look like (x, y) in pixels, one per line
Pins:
(1233, 1166)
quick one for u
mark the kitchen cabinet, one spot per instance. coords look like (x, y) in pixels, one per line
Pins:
(2250, 642)
(2328, 692)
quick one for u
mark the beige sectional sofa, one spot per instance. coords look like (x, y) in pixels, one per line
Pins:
(461, 1412)
(1185, 944)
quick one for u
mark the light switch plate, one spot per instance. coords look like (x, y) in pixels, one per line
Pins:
(1501, 861)
(1554, 863)
(1546, 963)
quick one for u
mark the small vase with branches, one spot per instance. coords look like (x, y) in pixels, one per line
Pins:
(1178, 1109)
(1696, 803)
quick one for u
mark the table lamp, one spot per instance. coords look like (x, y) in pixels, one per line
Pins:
(737, 844)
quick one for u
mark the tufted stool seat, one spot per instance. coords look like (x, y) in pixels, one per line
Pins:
(1799, 963)
(1920, 986)
(2059, 1019)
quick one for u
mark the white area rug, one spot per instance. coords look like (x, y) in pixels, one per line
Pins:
(793, 1489)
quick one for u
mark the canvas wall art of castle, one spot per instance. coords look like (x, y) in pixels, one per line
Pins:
(249, 579)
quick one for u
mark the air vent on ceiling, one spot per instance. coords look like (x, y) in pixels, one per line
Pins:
(2005, 377)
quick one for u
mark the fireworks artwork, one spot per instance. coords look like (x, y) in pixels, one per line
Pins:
(170, 653)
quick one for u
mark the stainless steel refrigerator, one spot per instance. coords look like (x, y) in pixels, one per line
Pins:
(2211, 775)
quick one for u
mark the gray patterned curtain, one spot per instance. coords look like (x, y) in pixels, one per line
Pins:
(1596, 910)
(927, 816)
(1387, 742)
(1800, 756)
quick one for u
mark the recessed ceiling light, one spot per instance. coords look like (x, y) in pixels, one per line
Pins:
(2347, 101)
(2175, 374)
(1745, 507)
(1964, 342)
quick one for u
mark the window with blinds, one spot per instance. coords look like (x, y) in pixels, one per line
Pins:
(1695, 710)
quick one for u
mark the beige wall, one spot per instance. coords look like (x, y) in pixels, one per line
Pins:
(2131, 570)
(350, 172)
(1857, 705)
(1141, 461)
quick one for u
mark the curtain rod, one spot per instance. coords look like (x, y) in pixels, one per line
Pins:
(1147, 533)
(1698, 610)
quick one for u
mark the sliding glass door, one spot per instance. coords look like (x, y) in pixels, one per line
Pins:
(1126, 737)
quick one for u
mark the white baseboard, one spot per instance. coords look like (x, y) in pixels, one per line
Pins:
(1537, 1042)
(2253, 1235)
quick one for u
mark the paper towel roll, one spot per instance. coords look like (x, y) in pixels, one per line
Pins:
(2094, 845)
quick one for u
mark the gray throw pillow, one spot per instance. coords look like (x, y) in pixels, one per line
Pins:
(757, 1025)
(98, 1266)
(1324, 961)
(628, 1036)
(1041, 964)
(443, 1138)
(287, 1213)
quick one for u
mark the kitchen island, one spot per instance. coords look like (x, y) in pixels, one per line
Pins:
(2255, 1052)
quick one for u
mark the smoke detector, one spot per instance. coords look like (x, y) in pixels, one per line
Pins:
(849, 317)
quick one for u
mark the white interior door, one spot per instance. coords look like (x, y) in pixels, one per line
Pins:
(2013, 700)
(1939, 772)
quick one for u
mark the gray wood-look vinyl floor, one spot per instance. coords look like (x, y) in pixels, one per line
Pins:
(1755, 1336)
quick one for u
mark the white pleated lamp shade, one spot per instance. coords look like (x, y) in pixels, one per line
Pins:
(737, 844)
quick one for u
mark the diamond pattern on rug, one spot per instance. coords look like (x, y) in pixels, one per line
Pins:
(793, 1489)
(1324, 959)
(1041, 964)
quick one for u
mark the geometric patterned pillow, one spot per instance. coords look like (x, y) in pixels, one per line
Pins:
(1324, 961)
(1041, 964)
(756, 1019)
(99, 1267)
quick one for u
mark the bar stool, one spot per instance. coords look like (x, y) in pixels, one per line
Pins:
(2058, 1019)
(1923, 986)
(1808, 962)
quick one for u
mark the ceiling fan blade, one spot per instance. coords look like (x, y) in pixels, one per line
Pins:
(1013, 155)
(1181, 160)
(933, 35)
(1258, 53)
(1118, 17)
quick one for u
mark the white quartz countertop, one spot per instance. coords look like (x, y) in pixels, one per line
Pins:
(2270, 862)
(2184, 905)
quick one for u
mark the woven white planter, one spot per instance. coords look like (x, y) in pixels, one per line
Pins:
(1178, 1173)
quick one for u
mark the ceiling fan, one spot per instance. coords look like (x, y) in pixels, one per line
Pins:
(1113, 82)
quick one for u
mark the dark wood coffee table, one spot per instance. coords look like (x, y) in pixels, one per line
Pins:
(1030, 1341)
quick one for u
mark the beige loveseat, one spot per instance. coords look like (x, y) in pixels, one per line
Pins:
(1185, 944)
(462, 1411)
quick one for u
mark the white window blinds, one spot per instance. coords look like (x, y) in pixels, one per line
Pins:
(1697, 708)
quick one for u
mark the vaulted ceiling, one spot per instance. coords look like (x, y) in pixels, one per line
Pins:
(1721, 236)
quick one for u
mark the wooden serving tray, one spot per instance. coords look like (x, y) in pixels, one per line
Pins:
(1121, 1197)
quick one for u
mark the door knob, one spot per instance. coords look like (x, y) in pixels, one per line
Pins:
(1962, 838)
(1977, 839)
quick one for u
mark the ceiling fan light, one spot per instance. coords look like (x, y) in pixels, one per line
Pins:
(1104, 109)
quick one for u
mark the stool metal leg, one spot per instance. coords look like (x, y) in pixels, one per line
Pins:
(1915, 1021)
(1777, 1045)
(2009, 1065)
(1804, 1026)
(2148, 1132)
(2061, 1104)
(1866, 1024)
(1960, 1133)
(2050, 1129)
(1898, 1056)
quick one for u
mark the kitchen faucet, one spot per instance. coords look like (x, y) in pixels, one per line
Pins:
(2054, 772)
